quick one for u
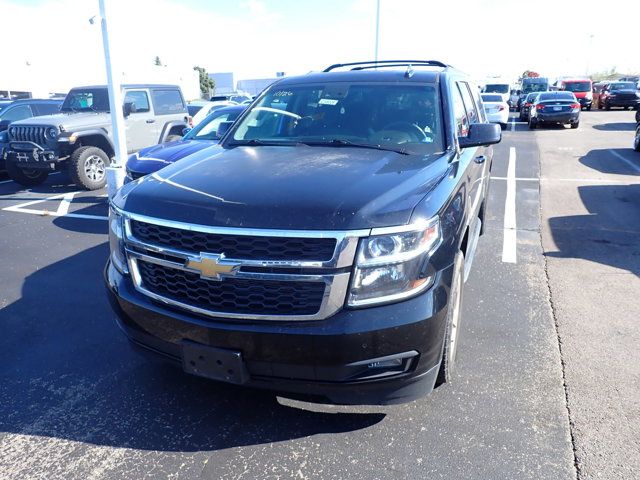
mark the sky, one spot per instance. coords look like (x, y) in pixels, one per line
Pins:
(55, 42)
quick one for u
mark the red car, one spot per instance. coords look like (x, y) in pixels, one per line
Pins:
(582, 89)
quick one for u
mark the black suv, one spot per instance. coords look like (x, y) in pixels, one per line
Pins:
(322, 248)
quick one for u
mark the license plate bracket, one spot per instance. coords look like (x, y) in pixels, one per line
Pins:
(214, 363)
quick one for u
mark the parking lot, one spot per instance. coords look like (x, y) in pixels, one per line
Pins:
(548, 374)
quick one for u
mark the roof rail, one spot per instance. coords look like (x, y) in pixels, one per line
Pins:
(387, 63)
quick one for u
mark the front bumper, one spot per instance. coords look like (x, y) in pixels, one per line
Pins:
(624, 102)
(328, 359)
(31, 156)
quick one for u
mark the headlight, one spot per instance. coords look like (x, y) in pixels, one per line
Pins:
(4, 137)
(394, 266)
(116, 241)
(52, 132)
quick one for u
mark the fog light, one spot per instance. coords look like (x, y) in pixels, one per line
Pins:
(383, 366)
(395, 362)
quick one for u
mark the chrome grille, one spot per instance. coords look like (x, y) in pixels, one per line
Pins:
(29, 134)
(260, 288)
(236, 246)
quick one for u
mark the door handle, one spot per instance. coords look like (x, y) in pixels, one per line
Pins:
(151, 120)
(480, 159)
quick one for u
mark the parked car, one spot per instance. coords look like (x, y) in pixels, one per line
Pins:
(533, 85)
(499, 87)
(513, 99)
(636, 141)
(323, 248)
(496, 109)
(596, 90)
(638, 116)
(19, 110)
(79, 138)
(209, 108)
(205, 134)
(526, 106)
(236, 97)
(619, 94)
(555, 107)
(581, 88)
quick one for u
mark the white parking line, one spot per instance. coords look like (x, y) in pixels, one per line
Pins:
(626, 160)
(513, 124)
(510, 235)
(519, 179)
(61, 211)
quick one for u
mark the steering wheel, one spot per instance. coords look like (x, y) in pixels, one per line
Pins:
(410, 128)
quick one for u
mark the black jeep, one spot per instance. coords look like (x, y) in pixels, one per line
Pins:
(323, 247)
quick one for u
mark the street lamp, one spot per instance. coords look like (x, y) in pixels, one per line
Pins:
(377, 28)
(115, 172)
(589, 53)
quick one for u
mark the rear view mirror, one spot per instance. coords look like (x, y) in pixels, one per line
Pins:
(223, 128)
(481, 134)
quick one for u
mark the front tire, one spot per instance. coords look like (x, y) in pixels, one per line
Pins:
(575, 125)
(532, 124)
(607, 106)
(88, 167)
(27, 177)
(452, 332)
(636, 141)
(638, 116)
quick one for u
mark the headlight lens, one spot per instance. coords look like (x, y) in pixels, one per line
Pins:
(116, 241)
(394, 266)
(52, 132)
(4, 137)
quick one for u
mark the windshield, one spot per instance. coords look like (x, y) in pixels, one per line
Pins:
(496, 88)
(208, 128)
(556, 96)
(491, 98)
(577, 86)
(86, 100)
(623, 86)
(528, 87)
(405, 118)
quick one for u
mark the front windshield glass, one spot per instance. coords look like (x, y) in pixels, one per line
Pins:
(404, 118)
(208, 128)
(623, 86)
(496, 88)
(577, 86)
(86, 100)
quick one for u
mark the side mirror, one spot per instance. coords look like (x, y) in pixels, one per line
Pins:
(4, 125)
(481, 135)
(223, 128)
(128, 108)
(185, 131)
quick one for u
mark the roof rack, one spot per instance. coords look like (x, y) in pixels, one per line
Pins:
(387, 63)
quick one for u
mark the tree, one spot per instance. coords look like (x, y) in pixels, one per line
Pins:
(207, 84)
(157, 61)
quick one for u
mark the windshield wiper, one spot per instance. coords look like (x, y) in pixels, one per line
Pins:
(338, 142)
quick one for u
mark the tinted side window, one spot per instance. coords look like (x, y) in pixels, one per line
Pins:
(470, 105)
(459, 113)
(475, 93)
(167, 102)
(139, 99)
(46, 108)
(19, 112)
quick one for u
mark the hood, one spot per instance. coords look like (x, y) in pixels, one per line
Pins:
(301, 187)
(69, 121)
(152, 159)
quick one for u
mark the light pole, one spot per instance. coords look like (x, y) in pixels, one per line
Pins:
(589, 53)
(377, 28)
(115, 172)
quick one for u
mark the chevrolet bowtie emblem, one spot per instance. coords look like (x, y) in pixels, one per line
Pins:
(212, 267)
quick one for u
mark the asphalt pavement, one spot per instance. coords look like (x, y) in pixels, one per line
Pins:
(548, 377)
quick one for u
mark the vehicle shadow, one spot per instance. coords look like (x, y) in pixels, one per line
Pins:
(96, 207)
(608, 234)
(617, 126)
(68, 373)
(604, 161)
